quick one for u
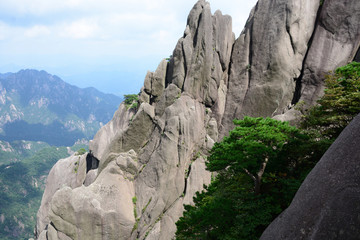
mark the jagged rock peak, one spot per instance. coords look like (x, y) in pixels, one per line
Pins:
(152, 156)
(283, 54)
(201, 57)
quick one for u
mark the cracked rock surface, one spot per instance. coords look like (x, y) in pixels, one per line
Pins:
(152, 157)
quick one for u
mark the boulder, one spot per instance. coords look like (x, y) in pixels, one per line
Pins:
(117, 126)
(69, 172)
(154, 83)
(102, 210)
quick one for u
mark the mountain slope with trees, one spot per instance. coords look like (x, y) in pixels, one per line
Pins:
(22, 185)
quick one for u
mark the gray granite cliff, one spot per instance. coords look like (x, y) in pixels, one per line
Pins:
(152, 158)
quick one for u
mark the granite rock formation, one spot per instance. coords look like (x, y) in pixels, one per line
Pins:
(68, 172)
(152, 158)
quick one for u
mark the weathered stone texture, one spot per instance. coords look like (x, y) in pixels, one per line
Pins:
(267, 57)
(157, 151)
(335, 43)
(201, 58)
(104, 209)
(70, 172)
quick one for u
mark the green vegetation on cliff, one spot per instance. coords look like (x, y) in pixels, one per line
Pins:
(338, 106)
(260, 166)
(263, 162)
(131, 101)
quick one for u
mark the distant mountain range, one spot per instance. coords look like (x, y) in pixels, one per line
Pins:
(38, 106)
(38, 110)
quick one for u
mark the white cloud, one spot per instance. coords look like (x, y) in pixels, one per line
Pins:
(3, 30)
(98, 32)
(80, 29)
(37, 31)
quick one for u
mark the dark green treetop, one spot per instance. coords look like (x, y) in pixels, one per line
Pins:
(250, 146)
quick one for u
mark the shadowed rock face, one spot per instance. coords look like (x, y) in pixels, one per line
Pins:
(327, 205)
(152, 159)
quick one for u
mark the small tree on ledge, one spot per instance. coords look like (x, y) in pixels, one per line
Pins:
(131, 101)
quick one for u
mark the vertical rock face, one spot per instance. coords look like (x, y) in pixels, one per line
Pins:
(152, 158)
(327, 204)
(335, 43)
(267, 57)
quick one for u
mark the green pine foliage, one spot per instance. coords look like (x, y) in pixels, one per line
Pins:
(255, 181)
(339, 105)
(81, 151)
(131, 101)
(263, 162)
(250, 146)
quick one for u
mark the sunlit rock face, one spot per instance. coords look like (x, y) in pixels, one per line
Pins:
(152, 156)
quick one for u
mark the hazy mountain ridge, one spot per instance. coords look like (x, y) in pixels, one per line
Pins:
(38, 102)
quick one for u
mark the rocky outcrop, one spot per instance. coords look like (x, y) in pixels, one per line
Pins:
(267, 57)
(68, 172)
(327, 205)
(162, 144)
(104, 209)
(284, 52)
(338, 29)
(152, 156)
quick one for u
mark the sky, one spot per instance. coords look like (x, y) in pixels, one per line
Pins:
(106, 44)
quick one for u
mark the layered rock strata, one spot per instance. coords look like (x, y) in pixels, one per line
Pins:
(152, 157)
